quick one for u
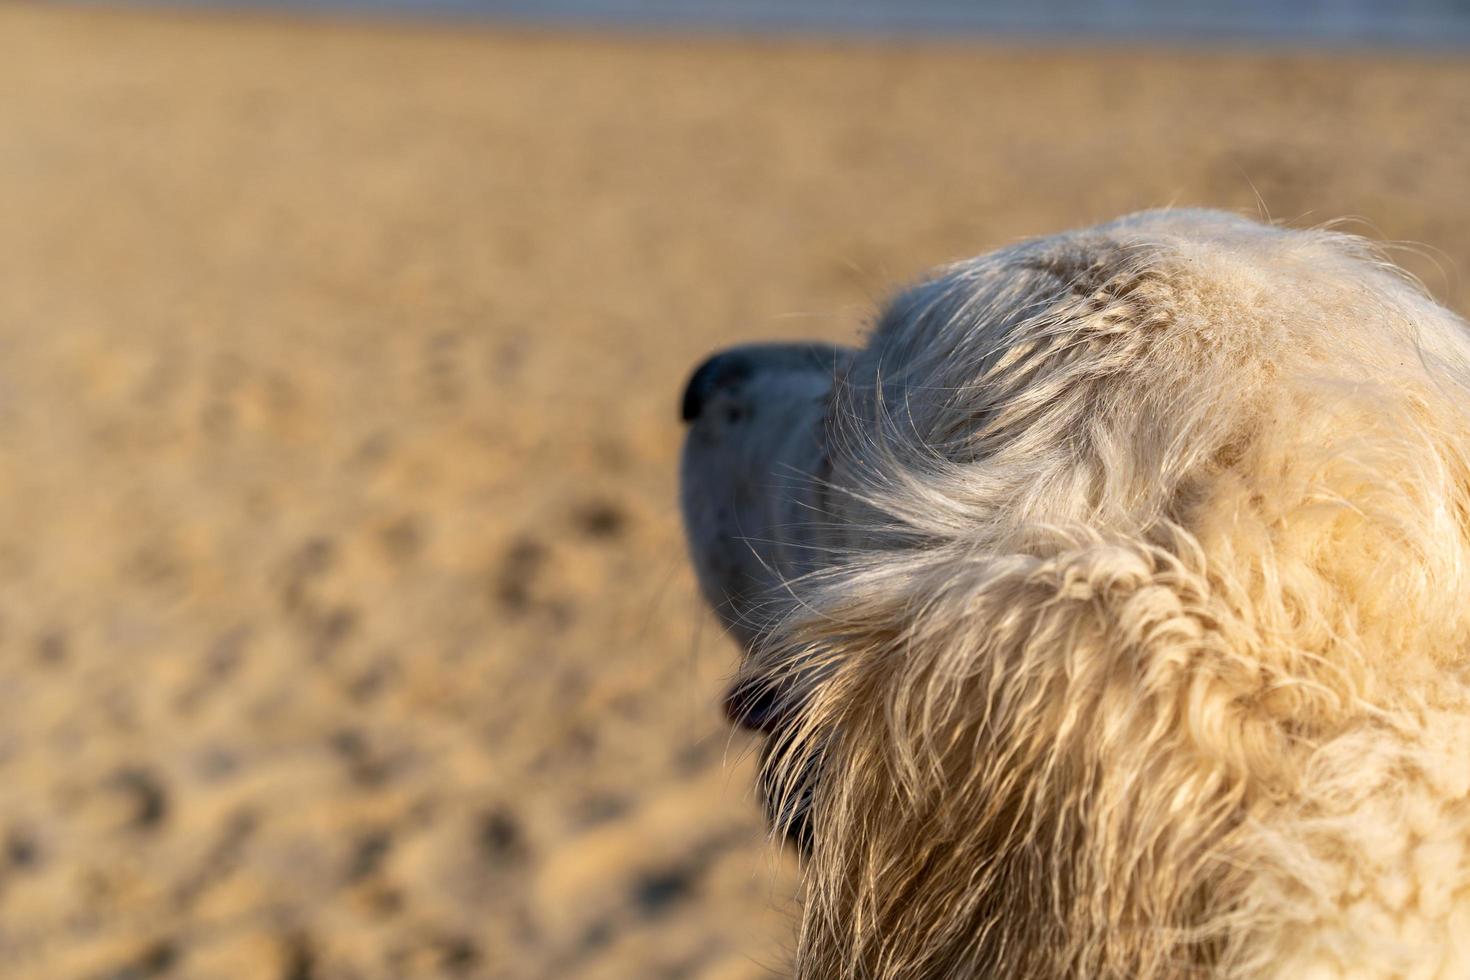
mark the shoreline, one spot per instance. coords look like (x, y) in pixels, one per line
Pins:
(1238, 31)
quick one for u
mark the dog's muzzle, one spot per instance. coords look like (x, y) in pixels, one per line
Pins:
(751, 474)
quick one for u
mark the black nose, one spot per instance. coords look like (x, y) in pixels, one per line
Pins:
(723, 370)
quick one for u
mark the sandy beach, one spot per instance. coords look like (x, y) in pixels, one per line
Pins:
(345, 629)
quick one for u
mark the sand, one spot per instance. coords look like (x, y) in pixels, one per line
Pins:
(345, 630)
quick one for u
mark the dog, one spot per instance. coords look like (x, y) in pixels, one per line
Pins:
(1107, 614)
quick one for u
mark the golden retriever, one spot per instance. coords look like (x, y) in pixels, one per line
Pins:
(1108, 613)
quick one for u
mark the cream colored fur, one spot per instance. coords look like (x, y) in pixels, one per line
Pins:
(1138, 643)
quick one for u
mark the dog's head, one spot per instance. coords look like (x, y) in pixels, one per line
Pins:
(1095, 561)
(966, 417)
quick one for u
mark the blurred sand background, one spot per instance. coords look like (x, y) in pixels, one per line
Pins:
(344, 624)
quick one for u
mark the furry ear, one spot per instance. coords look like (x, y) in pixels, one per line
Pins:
(1100, 756)
(1025, 764)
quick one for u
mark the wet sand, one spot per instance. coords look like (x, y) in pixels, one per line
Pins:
(344, 624)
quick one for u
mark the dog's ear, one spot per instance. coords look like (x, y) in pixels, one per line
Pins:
(1011, 760)
(1109, 756)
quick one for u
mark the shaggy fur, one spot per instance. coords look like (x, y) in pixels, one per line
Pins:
(1131, 633)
